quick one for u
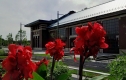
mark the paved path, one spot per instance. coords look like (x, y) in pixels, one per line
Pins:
(98, 66)
(72, 67)
(88, 65)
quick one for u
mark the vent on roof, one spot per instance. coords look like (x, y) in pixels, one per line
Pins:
(84, 8)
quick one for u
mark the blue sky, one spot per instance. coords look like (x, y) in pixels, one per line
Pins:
(14, 12)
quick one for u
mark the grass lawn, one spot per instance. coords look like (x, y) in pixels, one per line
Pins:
(40, 55)
(3, 57)
(85, 73)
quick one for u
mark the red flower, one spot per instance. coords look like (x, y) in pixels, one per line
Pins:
(43, 61)
(19, 59)
(55, 49)
(89, 40)
(14, 75)
(9, 64)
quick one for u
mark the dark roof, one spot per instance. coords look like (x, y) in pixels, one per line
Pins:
(49, 22)
(37, 22)
(64, 16)
(99, 10)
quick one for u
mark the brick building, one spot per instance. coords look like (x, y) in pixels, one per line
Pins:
(112, 15)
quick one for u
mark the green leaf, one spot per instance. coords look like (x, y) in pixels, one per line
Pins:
(36, 76)
(63, 76)
(42, 70)
(98, 77)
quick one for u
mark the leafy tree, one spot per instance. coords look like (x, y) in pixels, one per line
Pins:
(5, 42)
(0, 40)
(25, 42)
(9, 38)
(17, 37)
(21, 35)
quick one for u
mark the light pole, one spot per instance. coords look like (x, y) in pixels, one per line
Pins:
(58, 23)
(21, 33)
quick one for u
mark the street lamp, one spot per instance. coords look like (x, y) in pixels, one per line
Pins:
(58, 23)
(21, 33)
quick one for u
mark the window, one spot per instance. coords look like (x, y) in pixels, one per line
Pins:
(62, 32)
(73, 31)
(111, 26)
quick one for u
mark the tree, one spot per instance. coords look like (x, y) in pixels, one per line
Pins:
(21, 36)
(0, 40)
(9, 38)
(25, 42)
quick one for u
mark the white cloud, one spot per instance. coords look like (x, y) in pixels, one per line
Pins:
(12, 12)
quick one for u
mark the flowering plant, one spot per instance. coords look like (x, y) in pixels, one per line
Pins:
(18, 64)
(89, 40)
(55, 49)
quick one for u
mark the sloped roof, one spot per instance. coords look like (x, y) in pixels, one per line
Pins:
(37, 22)
(106, 8)
(62, 17)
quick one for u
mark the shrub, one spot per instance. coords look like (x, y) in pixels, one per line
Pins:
(2, 53)
(0, 47)
(58, 70)
(118, 68)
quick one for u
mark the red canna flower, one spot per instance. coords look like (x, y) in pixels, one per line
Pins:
(43, 61)
(55, 49)
(9, 64)
(89, 40)
(13, 75)
(19, 60)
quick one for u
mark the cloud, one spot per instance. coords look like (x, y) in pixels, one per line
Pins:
(12, 12)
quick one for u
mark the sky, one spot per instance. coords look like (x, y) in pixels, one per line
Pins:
(14, 12)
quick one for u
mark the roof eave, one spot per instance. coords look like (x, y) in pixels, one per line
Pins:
(37, 22)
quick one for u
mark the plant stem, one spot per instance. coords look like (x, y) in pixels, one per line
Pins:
(82, 60)
(52, 68)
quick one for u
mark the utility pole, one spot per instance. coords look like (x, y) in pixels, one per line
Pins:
(20, 33)
(58, 23)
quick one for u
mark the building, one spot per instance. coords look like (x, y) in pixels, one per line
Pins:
(112, 15)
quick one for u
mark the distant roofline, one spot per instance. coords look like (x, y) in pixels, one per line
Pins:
(39, 21)
(97, 5)
(49, 22)
(81, 15)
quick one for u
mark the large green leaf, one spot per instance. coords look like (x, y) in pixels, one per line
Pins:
(98, 77)
(63, 76)
(36, 76)
(42, 70)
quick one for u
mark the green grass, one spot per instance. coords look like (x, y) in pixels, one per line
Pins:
(41, 55)
(85, 73)
(2, 52)
(3, 57)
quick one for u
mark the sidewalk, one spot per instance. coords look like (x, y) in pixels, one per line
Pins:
(71, 67)
(38, 52)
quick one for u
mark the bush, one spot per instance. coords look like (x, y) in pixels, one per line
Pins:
(58, 70)
(2, 53)
(0, 47)
(118, 68)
